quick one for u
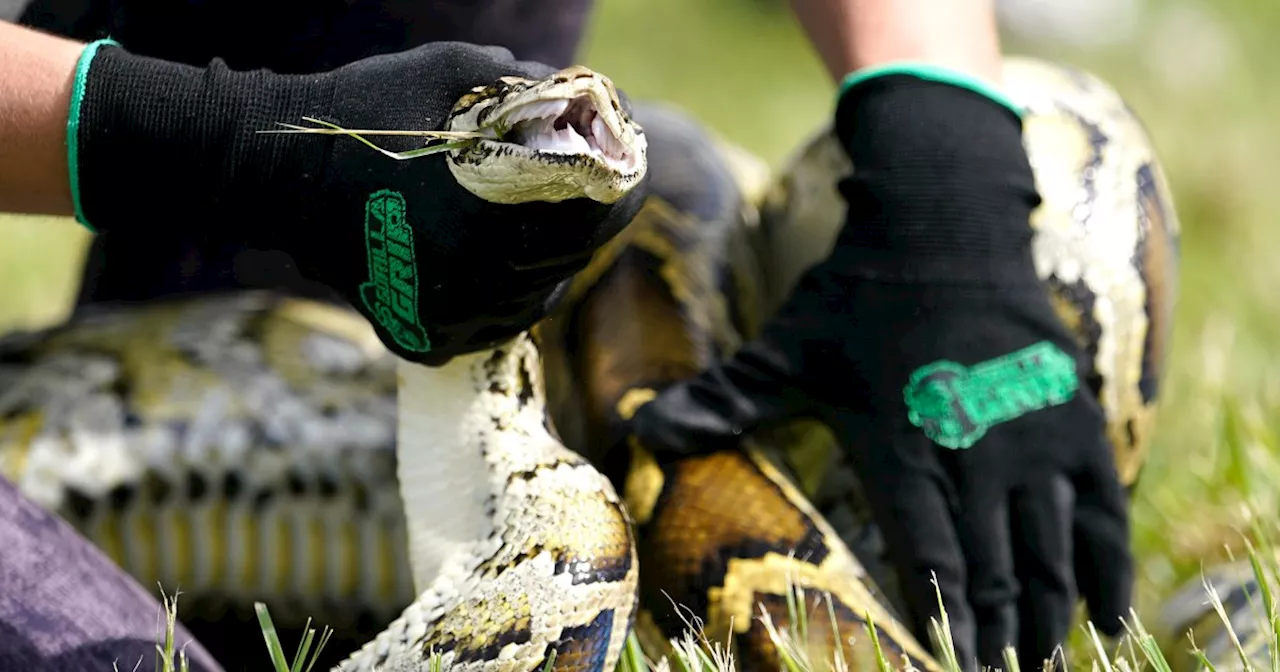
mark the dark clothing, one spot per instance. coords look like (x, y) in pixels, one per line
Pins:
(65, 607)
(315, 35)
(284, 36)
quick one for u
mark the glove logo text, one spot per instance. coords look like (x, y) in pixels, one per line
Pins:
(391, 293)
(955, 405)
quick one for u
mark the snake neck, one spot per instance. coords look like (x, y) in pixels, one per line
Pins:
(504, 523)
(458, 425)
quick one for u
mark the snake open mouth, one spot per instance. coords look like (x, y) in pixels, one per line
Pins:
(564, 136)
(568, 127)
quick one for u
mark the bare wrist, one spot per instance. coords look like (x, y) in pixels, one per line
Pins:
(853, 35)
(37, 72)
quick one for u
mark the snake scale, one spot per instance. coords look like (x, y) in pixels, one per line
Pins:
(256, 446)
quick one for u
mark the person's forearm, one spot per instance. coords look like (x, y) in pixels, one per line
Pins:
(36, 76)
(851, 35)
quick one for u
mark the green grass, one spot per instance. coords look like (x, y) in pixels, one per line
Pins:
(1201, 74)
(1136, 649)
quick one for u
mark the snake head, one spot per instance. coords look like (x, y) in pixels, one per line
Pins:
(563, 137)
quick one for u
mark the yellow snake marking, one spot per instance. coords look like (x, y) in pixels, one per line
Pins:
(344, 550)
(178, 546)
(384, 565)
(17, 436)
(250, 556)
(840, 574)
(213, 521)
(689, 277)
(644, 484)
(111, 538)
(632, 400)
(140, 539)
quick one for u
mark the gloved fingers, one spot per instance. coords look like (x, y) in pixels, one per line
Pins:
(713, 410)
(528, 69)
(455, 334)
(916, 518)
(983, 522)
(1042, 524)
(556, 295)
(1103, 558)
(568, 232)
(562, 265)
(522, 298)
(474, 65)
(679, 423)
(551, 234)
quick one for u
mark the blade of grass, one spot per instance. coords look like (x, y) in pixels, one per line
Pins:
(1010, 660)
(633, 659)
(272, 638)
(881, 661)
(399, 156)
(337, 130)
(1268, 598)
(788, 658)
(705, 661)
(678, 657)
(165, 650)
(1098, 647)
(1204, 660)
(427, 151)
(1146, 643)
(324, 639)
(304, 645)
(839, 664)
(940, 633)
(1200, 655)
(1216, 601)
(1233, 439)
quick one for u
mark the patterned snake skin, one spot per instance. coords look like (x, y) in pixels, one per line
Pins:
(252, 447)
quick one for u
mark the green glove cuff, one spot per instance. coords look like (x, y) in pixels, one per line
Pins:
(73, 125)
(930, 72)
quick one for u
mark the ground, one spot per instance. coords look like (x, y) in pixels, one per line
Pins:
(1197, 72)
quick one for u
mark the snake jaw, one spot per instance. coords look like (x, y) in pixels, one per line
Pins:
(562, 137)
(568, 127)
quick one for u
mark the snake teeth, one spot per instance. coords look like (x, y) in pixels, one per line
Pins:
(564, 136)
(567, 127)
(538, 110)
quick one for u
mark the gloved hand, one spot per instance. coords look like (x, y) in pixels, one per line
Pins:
(928, 344)
(155, 144)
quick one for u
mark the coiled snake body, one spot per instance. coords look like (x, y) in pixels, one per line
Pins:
(253, 446)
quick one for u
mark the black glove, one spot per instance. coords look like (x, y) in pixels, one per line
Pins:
(162, 145)
(929, 345)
